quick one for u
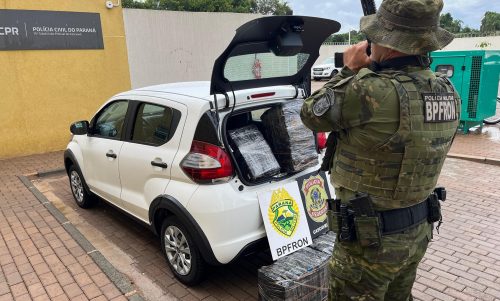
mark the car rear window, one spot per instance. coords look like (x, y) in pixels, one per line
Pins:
(263, 65)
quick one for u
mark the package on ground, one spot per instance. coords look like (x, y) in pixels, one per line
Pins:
(252, 147)
(292, 143)
(301, 276)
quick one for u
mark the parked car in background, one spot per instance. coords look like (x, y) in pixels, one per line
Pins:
(325, 70)
(163, 153)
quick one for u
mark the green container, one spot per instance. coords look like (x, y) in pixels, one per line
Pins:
(475, 75)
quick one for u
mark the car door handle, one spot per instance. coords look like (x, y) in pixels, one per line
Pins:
(159, 164)
(111, 155)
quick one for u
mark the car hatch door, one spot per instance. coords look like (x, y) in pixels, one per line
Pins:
(271, 51)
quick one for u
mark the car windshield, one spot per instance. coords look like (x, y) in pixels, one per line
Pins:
(329, 61)
(263, 65)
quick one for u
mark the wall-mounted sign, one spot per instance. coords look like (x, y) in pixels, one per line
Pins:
(285, 220)
(41, 30)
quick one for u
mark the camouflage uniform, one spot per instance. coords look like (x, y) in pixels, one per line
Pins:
(388, 145)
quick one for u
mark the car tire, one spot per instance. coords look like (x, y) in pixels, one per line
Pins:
(83, 197)
(181, 252)
(334, 72)
(315, 79)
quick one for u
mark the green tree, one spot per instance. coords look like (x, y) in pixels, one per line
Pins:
(265, 7)
(490, 22)
(356, 37)
(271, 7)
(447, 22)
(239, 6)
(135, 4)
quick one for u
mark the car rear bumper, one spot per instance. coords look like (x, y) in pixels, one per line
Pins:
(230, 218)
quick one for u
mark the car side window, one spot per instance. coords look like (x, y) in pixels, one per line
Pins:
(152, 124)
(110, 121)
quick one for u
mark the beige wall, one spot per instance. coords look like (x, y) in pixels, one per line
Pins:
(166, 46)
(472, 43)
(43, 91)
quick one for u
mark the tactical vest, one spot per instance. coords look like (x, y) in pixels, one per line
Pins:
(403, 170)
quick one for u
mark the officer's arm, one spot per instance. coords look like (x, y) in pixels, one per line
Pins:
(321, 112)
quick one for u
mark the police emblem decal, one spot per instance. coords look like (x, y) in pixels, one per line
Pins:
(283, 213)
(315, 196)
(322, 105)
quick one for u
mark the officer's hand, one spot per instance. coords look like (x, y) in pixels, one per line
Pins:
(355, 57)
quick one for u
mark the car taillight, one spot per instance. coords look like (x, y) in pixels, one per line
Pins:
(321, 140)
(207, 163)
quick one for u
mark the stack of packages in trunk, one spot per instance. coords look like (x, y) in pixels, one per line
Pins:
(292, 143)
(300, 276)
(256, 153)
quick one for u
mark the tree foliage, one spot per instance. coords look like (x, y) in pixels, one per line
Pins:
(271, 7)
(265, 7)
(490, 22)
(356, 37)
(447, 22)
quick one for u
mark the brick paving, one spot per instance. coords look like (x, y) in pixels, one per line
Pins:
(142, 259)
(463, 260)
(485, 143)
(39, 260)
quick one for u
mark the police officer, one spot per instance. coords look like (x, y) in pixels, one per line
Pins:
(394, 121)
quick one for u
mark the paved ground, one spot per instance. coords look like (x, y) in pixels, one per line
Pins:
(135, 251)
(40, 260)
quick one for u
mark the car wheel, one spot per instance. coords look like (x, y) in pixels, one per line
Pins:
(83, 198)
(181, 252)
(315, 79)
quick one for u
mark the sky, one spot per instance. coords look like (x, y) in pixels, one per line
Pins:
(348, 12)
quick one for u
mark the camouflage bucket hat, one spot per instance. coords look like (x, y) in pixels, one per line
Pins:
(408, 26)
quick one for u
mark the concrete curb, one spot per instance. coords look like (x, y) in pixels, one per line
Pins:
(483, 160)
(120, 280)
(50, 172)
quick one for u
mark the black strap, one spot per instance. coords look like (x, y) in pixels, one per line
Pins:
(401, 62)
(399, 220)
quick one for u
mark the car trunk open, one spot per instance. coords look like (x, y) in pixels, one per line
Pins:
(269, 142)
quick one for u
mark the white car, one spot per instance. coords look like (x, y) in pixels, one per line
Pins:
(162, 153)
(324, 70)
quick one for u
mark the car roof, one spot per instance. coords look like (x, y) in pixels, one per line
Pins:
(199, 89)
(198, 93)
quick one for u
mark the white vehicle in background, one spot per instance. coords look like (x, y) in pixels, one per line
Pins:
(163, 155)
(325, 70)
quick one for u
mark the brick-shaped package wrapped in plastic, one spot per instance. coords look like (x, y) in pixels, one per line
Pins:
(292, 142)
(250, 145)
(302, 275)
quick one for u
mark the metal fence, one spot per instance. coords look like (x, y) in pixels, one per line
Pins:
(336, 43)
(477, 34)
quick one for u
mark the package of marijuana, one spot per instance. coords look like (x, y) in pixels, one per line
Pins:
(250, 145)
(292, 143)
(302, 275)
